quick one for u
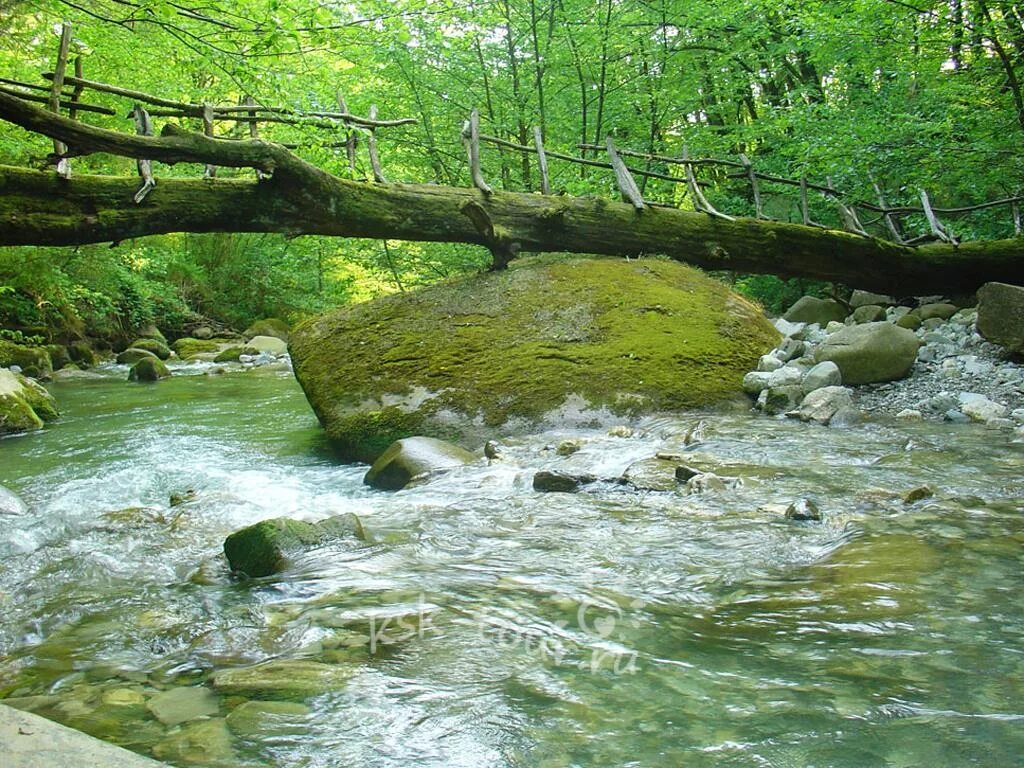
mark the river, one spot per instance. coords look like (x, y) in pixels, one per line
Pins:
(485, 624)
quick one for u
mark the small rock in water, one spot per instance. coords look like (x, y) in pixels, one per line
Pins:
(705, 482)
(917, 494)
(980, 408)
(910, 414)
(955, 417)
(568, 447)
(261, 549)
(179, 705)
(177, 499)
(803, 509)
(547, 481)
(492, 450)
(621, 431)
(998, 423)
(684, 474)
(696, 433)
(413, 456)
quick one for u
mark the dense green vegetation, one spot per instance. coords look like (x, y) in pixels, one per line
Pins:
(909, 95)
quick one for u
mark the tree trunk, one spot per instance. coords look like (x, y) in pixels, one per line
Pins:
(39, 208)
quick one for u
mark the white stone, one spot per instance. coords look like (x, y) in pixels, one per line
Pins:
(787, 328)
(910, 414)
(980, 408)
(826, 374)
(769, 363)
(822, 404)
(787, 376)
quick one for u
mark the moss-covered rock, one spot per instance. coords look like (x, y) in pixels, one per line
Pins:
(33, 361)
(543, 343)
(24, 404)
(83, 354)
(187, 346)
(269, 344)
(229, 355)
(285, 679)
(132, 355)
(148, 369)
(153, 346)
(262, 549)
(412, 457)
(271, 326)
(59, 355)
(152, 332)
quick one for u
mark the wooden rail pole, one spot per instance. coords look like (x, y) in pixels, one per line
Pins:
(471, 140)
(210, 171)
(143, 127)
(59, 148)
(542, 161)
(623, 178)
(371, 145)
(752, 177)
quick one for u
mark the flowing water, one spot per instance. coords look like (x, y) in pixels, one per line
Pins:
(485, 624)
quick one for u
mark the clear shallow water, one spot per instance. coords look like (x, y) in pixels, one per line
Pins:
(489, 625)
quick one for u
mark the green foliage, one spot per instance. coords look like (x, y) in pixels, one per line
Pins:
(775, 294)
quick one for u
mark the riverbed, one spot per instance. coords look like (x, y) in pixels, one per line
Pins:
(485, 624)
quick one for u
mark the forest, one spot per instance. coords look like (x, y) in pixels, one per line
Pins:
(874, 97)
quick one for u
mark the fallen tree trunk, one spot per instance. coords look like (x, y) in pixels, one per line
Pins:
(37, 208)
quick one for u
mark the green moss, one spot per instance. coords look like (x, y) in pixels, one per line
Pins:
(187, 346)
(630, 337)
(229, 355)
(148, 369)
(34, 361)
(39, 399)
(17, 416)
(153, 346)
(261, 549)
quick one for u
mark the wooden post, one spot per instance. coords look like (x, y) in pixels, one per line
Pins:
(254, 132)
(76, 94)
(211, 170)
(59, 148)
(848, 214)
(1015, 209)
(752, 177)
(471, 140)
(891, 222)
(699, 201)
(623, 178)
(542, 161)
(371, 144)
(805, 214)
(933, 221)
(351, 140)
(144, 128)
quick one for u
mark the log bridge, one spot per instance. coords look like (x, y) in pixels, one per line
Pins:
(288, 195)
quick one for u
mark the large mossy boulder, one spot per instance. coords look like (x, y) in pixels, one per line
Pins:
(263, 549)
(1001, 315)
(148, 369)
(132, 355)
(33, 361)
(271, 326)
(413, 457)
(871, 353)
(153, 346)
(186, 347)
(152, 332)
(81, 352)
(24, 404)
(544, 343)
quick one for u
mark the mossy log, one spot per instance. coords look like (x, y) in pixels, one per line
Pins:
(37, 208)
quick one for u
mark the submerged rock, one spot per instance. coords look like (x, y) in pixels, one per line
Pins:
(652, 475)
(803, 509)
(282, 679)
(179, 705)
(24, 404)
(262, 549)
(412, 457)
(205, 743)
(148, 369)
(260, 719)
(547, 481)
(872, 352)
(542, 344)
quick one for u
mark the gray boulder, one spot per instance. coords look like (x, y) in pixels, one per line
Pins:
(940, 310)
(269, 344)
(825, 374)
(776, 400)
(811, 309)
(411, 457)
(871, 352)
(823, 404)
(866, 298)
(1001, 315)
(869, 313)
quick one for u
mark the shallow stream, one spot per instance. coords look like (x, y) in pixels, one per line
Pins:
(489, 625)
